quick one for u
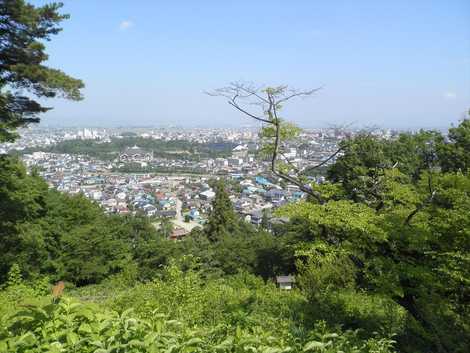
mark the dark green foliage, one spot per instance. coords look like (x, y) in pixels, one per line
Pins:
(66, 237)
(175, 149)
(397, 233)
(22, 199)
(361, 267)
(413, 153)
(23, 30)
(366, 156)
(386, 254)
(222, 220)
(455, 154)
(235, 245)
(135, 167)
(254, 251)
(181, 312)
(361, 168)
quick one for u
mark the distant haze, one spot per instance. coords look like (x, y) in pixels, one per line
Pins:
(402, 64)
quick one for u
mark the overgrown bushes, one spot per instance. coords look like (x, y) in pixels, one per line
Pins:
(180, 312)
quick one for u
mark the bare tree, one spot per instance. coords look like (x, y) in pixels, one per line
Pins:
(263, 104)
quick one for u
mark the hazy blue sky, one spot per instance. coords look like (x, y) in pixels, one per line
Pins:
(403, 63)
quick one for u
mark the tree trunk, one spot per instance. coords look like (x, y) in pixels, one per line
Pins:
(408, 302)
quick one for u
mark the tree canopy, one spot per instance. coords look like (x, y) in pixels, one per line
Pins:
(222, 218)
(23, 30)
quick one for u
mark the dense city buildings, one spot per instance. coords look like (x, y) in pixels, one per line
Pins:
(169, 178)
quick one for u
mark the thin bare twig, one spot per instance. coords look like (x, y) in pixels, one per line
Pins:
(325, 161)
(270, 99)
(235, 105)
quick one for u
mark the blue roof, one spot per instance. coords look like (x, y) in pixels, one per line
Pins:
(262, 181)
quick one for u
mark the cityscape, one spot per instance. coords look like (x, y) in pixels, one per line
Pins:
(134, 180)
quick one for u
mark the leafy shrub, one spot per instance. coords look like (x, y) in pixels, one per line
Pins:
(74, 327)
(179, 312)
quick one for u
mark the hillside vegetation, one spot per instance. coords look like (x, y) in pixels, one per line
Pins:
(382, 265)
(380, 251)
(179, 312)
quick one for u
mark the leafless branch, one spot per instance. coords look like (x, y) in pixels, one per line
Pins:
(293, 166)
(325, 161)
(236, 106)
(269, 99)
(295, 93)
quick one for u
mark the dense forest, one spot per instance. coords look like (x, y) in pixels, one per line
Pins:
(380, 251)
